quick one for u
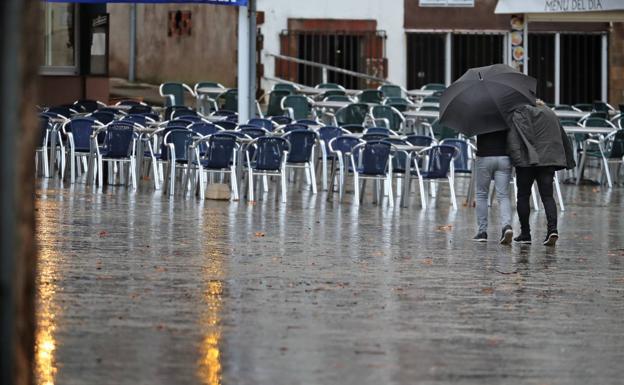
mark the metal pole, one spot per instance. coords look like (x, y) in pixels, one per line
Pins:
(525, 42)
(243, 64)
(557, 68)
(448, 76)
(10, 97)
(132, 56)
(605, 69)
(252, 57)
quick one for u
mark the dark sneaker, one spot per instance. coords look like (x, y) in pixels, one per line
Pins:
(480, 237)
(551, 238)
(523, 238)
(506, 235)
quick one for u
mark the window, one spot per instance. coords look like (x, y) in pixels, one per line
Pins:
(60, 37)
(542, 64)
(425, 59)
(475, 50)
(580, 68)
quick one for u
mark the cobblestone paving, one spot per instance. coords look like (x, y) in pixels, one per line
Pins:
(137, 288)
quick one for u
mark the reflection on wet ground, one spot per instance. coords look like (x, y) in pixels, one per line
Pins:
(135, 288)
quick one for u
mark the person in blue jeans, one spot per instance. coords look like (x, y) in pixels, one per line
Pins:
(493, 163)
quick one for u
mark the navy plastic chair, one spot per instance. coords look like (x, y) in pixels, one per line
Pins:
(420, 140)
(269, 159)
(103, 117)
(169, 110)
(380, 130)
(281, 120)
(302, 144)
(64, 111)
(253, 131)
(41, 153)
(88, 105)
(114, 111)
(373, 162)
(463, 156)
(341, 148)
(294, 126)
(309, 122)
(354, 128)
(267, 124)
(374, 137)
(326, 134)
(204, 128)
(119, 145)
(219, 158)
(227, 125)
(439, 167)
(140, 109)
(80, 133)
(178, 113)
(178, 143)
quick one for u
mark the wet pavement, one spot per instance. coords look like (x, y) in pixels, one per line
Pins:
(137, 288)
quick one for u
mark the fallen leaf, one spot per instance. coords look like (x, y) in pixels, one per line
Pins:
(259, 234)
(427, 261)
(103, 233)
(445, 228)
(595, 190)
(494, 341)
(487, 290)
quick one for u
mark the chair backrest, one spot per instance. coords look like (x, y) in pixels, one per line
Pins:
(344, 144)
(327, 133)
(354, 128)
(181, 140)
(617, 145)
(434, 87)
(401, 107)
(227, 125)
(586, 107)
(597, 122)
(182, 112)
(138, 119)
(225, 113)
(220, 151)
(308, 122)
(274, 106)
(391, 90)
(206, 84)
(600, 106)
(462, 157)
(374, 157)
(431, 99)
(64, 111)
(176, 90)
(140, 109)
(441, 131)
(87, 105)
(352, 114)
(119, 139)
(379, 130)
(82, 129)
(336, 98)
(284, 87)
(281, 119)
(618, 121)
(190, 118)
(169, 110)
(269, 152)
(420, 140)
(253, 131)
(429, 108)
(331, 92)
(373, 137)
(393, 117)
(330, 86)
(302, 143)
(370, 96)
(103, 117)
(267, 124)
(440, 158)
(229, 100)
(204, 128)
(294, 126)
(300, 105)
(130, 102)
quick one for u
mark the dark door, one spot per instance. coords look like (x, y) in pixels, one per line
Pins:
(475, 50)
(542, 64)
(580, 68)
(425, 59)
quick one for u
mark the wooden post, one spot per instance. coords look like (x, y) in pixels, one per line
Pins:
(20, 51)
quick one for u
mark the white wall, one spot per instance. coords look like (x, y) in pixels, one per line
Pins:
(387, 13)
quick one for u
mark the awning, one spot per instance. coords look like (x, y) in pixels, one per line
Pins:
(221, 2)
(599, 11)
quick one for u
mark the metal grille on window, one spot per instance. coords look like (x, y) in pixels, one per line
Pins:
(542, 64)
(580, 68)
(362, 52)
(425, 59)
(475, 50)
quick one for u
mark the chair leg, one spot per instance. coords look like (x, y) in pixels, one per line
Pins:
(558, 189)
(362, 191)
(250, 181)
(390, 194)
(172, 170)
(46, 163)
(423, 198)
(234, 183)
(452, 188)
(283, 179)
(202, 183)
(324, 172)
(607, 171)
(312, 173)
(72, 165)
(356, 188)
(100, 169)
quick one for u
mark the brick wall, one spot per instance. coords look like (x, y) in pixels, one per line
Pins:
(616, 64)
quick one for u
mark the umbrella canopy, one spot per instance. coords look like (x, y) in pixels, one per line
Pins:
(482, 100)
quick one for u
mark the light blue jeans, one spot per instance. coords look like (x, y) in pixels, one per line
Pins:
(499, 169)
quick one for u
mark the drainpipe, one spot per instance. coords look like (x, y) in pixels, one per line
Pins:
(132, 56)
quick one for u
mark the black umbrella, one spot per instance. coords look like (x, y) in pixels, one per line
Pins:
(483, 99)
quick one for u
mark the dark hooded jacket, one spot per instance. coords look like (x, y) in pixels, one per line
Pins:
(536, 138)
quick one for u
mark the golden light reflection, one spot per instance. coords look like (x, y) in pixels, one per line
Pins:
(47, 311)
(210, 362)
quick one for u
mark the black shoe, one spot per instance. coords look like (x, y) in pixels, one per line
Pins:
(480, 237)
(523, 238)
(506, 235)
(551, 238)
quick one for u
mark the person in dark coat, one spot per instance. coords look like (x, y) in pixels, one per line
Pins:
(538, 147)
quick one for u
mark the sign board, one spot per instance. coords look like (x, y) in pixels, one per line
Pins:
(219, 2)
(446, 3)
(558, 6)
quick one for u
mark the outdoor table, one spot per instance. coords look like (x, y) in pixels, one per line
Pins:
(565, 114)
(333, 105)
(212, 90)
(587, 130)
(419, 94)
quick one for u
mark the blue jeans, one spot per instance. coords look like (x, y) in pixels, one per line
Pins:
(499, 169)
